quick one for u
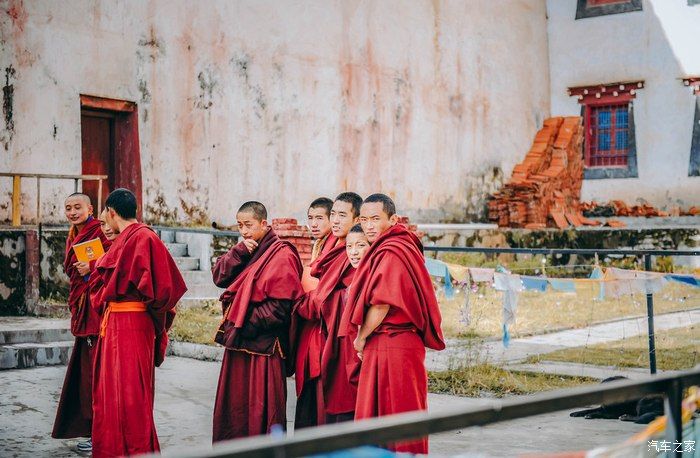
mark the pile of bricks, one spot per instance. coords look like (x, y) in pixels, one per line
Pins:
(300, 236)
(545, 189)
(619, 208)
(411, 227)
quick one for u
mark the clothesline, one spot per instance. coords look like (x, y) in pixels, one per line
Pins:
(613, 282)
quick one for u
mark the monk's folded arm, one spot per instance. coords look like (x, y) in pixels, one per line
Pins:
(271, 314)
(373, 318)
(229, 265)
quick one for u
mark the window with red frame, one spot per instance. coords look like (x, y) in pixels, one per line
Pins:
(607, 128)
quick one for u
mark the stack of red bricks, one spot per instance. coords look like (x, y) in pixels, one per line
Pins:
(545, 189)
(411, 227)
(300, 236)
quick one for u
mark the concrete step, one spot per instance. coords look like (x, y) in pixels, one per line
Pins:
(177, 249)
(186, 263)
(197, 277)
(203, 291)
(167, 236)
(20, 330)
(23, 355)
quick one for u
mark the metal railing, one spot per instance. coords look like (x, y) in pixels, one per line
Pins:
(382, 430)
(17, 190)
(646, 254)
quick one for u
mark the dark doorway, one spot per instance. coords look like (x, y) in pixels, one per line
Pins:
(110, 146)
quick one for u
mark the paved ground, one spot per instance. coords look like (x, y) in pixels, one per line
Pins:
(184, 402)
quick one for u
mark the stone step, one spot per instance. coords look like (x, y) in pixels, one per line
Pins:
(19, 330)
(186, 263)
(177, 249)
(203, 291)
(167, 236)
(197, 277)
(23, 355)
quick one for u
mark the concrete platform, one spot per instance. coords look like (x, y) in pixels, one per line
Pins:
(184, 402)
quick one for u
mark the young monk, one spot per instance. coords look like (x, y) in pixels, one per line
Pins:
(393, 303)
(319, 224)
(140, 287)
(74, 415)
(262, 277)
(319, 400)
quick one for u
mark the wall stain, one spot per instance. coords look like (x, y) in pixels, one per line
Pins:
(8, 93)
(153, 45)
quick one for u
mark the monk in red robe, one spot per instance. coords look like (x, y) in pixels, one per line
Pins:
(335, 398)
(262, 277)
(74, 415)
(304, 333)
(140, 287)
(393, 313)
(318, 221)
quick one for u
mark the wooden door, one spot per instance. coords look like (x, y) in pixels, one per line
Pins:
(97, 133)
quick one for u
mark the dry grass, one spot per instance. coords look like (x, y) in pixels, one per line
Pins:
(545, 312)
(197, 324)
(676, 349)
(488, 380)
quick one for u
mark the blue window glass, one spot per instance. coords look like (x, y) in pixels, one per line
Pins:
(604, 119)
(621, 118)
(621, 140)
(603, 140)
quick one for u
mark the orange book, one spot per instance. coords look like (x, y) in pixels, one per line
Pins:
(92, 250)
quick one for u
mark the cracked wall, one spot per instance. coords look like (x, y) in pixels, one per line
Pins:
(281, 102)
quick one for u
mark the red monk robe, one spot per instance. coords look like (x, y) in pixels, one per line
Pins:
(392, 377)
(307, 343)
(337, 353)
(261, 287)
(74, 415)
(137, 268)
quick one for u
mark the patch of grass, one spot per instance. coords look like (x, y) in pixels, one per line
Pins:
(486, 379)
(197, 324)
(676, 349)
(538, 313)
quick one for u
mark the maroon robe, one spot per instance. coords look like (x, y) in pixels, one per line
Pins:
(74, 414)
(310, 406)
(337, 352)
(138, 268)
(261, 287)
(392, 377)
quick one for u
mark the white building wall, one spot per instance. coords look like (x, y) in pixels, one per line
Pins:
(282, 101)
(657, 45)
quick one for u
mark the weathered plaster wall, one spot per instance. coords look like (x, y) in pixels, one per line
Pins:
(12, 273)
(657, 45)
(429, 101)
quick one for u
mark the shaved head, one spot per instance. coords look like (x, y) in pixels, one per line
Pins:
(79, 195)
(256, 208)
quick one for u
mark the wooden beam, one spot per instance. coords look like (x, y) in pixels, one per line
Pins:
(101, 103)
(16, 200)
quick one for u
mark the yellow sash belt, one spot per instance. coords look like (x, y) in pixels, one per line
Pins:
(118, 307)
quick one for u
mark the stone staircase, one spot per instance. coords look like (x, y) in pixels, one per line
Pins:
(29, 342)
(200, 288)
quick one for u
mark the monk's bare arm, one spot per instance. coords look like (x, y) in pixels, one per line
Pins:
(231, 264)
(374, 317)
